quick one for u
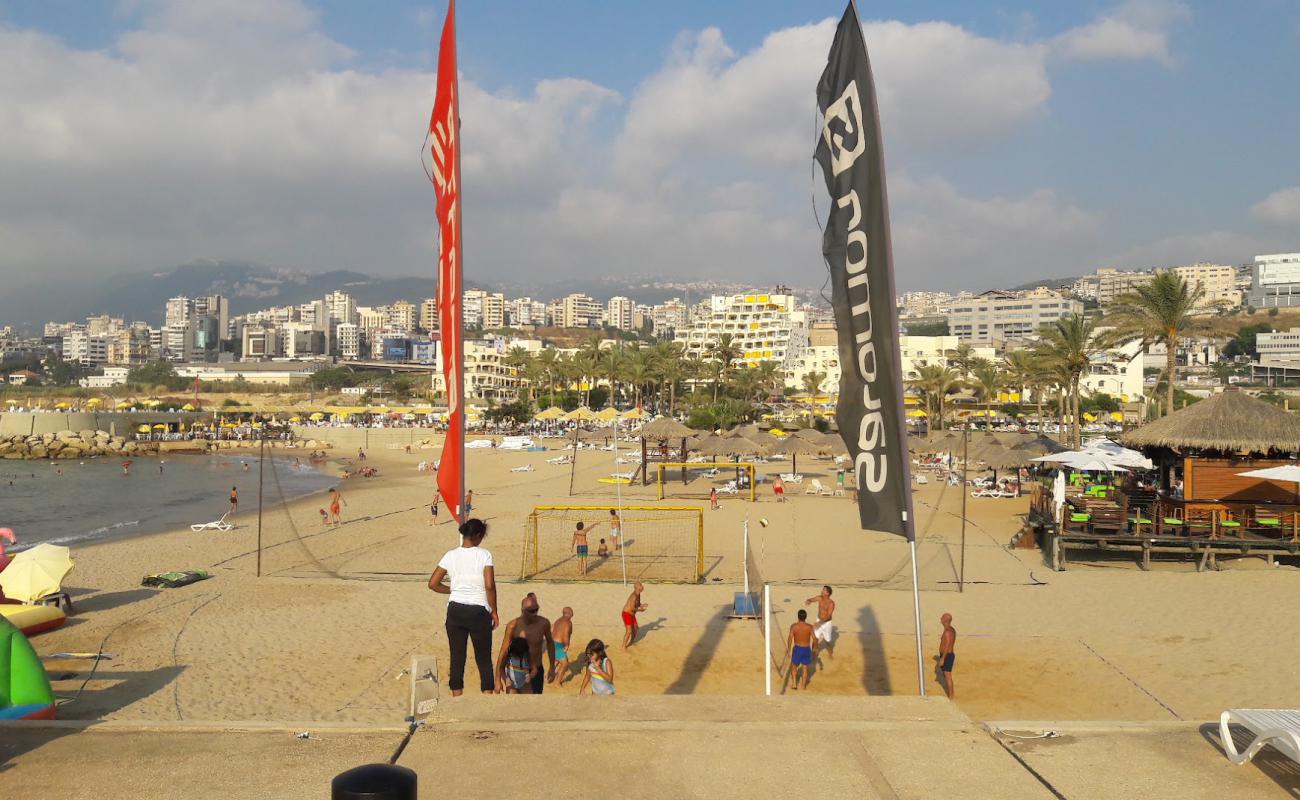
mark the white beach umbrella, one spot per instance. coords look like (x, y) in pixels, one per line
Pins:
(1288, 473)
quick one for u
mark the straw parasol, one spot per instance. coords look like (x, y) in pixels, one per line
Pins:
(1231, 421)
(794, 447)
(664, 428)
(608, 414)
(554, 412)
(1040, 446)
(716, 446)
(998, 457)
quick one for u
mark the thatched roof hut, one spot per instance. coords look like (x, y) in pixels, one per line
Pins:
(1229, 422)
(664, 428)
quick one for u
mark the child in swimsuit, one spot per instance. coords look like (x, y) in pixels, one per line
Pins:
(517, 672)
(599, 674)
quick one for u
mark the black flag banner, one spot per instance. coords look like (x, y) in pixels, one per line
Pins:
(857, 251)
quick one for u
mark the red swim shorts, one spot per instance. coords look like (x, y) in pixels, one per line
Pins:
(779, 489)
(629, 619)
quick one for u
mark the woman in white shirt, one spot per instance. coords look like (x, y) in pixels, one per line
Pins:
(472, 606)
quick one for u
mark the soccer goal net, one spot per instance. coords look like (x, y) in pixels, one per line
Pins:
(698, 478)
(652, 543)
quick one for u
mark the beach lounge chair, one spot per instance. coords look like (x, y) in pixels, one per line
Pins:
(219, 525)
(791, 477)
(919, 479)
(815, 487)
(729, 487)
(1279, 728)
(712, 472)
(523, 468)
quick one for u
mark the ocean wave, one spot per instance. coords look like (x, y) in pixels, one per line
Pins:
(72, 538)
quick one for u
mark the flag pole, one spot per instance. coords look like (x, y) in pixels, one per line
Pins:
(460, 265)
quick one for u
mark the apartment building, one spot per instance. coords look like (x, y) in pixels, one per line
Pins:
(620, 312)
(763, 327)
(1218, 282)
(997, 316)
(1113, 283)
(1275, 281)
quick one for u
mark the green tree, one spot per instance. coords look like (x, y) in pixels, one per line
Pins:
(155, 373)
(812, 382)
(935, 383)
(724, 351)
(1067, 347)
(1159, 311)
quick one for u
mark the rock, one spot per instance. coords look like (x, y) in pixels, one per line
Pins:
(56, 445)
(6, 447)
(37, 451)
(12, 456)
(46, 438)
(69, 452)
(86, 435)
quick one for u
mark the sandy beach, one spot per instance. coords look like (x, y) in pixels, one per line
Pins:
(326, 632)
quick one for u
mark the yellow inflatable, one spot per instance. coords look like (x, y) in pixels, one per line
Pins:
(33, 619)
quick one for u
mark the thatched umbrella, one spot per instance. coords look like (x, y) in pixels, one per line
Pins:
(1011, 438)
(807, 433)
(663, 429)
(1229, 422)
(793, 447)
(716, 446)
(1041, 446)
(998, 457)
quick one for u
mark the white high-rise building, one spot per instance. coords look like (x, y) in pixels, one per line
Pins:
(216, 306)
(401, 316)
(1275, 281)
(178, 312)
(579, 311)
(525, 311)
(348, 339)
(620, 313)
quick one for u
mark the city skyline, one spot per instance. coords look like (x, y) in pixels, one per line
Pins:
(1021, 141)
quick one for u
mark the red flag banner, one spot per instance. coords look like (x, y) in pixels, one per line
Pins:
(444, 133)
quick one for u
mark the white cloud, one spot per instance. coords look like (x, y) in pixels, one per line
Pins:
(1219, 246)
(1280, 208)
(1135, 31)
(250, 134)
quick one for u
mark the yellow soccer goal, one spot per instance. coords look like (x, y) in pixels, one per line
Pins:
(643, 543)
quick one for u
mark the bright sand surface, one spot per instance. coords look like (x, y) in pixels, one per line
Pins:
(325, 634)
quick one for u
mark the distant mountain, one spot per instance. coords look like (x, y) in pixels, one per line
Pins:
(144, 295)
(1050, 283)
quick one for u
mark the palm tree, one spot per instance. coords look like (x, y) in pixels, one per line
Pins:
(725, 351)
(668, 358)
(547, 360)
(638, 371)
(1068, 346)
(963, 359)
(1159, 311)
(1025, 373)
(812, 382)
(613, 363)
(936, 382)
(771, 379)
(987, 379)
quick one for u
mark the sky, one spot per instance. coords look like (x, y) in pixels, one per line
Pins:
(671, 138)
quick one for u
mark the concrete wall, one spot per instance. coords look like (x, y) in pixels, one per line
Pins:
(28, 423)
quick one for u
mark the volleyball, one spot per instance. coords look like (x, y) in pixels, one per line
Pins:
(762, 521)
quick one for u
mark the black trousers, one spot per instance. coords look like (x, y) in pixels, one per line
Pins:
(475, 624)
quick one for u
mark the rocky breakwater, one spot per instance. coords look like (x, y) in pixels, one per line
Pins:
(71, 444)
(88, 444)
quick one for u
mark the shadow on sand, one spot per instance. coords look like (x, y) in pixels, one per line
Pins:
(875, 667)
(127, 688)
(701, 653)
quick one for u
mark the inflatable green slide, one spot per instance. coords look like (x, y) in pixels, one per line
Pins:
(24, 688)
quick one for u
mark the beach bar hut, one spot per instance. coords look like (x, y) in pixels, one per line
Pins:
(662, 429)
(1212, 442)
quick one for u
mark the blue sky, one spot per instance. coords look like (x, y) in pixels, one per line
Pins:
(1024, 139)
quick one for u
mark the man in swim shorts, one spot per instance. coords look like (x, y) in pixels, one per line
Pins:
(561, 635)
(532, 627)
(824, 629)
(947, 640)
(580, 546)
(630, 610)
(799, 647)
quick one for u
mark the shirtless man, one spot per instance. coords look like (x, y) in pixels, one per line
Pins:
(824, 629)
(580, 546)
(800, 646)
(531, 626)
(630, 610)
(562, 634)
(946, 657)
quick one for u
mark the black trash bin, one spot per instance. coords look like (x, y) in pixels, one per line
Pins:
(374, 782)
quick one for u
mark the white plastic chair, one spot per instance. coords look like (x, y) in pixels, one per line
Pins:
(1279, 728)
(815, 487)
(219, 525)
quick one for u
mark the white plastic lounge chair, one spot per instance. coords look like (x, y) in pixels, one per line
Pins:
(711, 473)
(219, 525)
(1277, 727)
(729, 488)
(524, 468)
(815, 487)
(791, 477)
(919, 479)
(623, 476)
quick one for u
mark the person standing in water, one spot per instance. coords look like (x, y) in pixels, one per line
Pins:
(234, 499)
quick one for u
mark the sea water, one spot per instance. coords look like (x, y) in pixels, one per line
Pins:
(76, 501)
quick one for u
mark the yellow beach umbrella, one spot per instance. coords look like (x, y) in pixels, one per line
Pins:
(36, 573)
(295, 418)
(581, 413)
(916, 412)
(123, 404)
(607, 414)
(634, 413)
(94, 401)
(160, 427)
(554, 412)
(61, 404)
(143, 429)
(316, 416)
(187, 407)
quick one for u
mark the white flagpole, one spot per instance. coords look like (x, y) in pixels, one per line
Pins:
(916, 612)
(622, 526)
(745, 554)
(767, 635)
